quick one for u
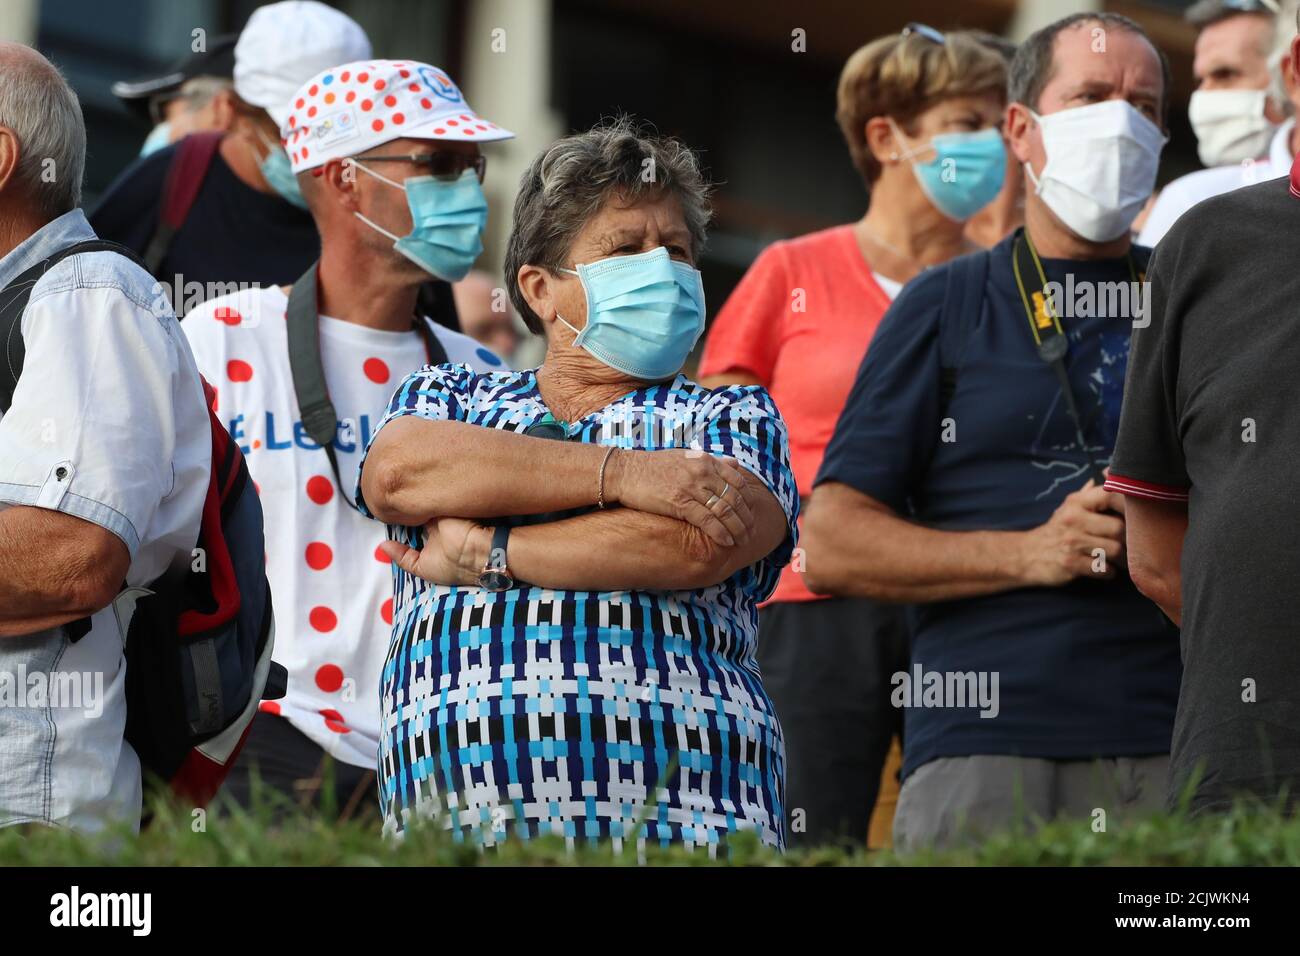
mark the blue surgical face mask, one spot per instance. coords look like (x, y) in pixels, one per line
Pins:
(159, 136)
(447, 220)
(278, 173)
(966, 173)
(644, 313)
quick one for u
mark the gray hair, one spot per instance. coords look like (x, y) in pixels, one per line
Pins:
(1281, 16)
(42, 111)
(1205, 13)
(1288, 19)
(573, 178)
(198, 91)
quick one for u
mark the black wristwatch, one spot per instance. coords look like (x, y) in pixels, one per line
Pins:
(495, 575)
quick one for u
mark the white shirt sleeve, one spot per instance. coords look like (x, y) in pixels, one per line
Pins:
(92, 430)
(1169, 205)
(1186, 191)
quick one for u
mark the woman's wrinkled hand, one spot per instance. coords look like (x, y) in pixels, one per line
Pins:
(707, 491)
(455, 551)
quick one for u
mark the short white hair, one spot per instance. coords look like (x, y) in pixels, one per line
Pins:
(42, 111)
(1283, 35)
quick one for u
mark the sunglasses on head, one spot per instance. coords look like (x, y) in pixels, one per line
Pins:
(921, 30)
(440, 164)
(1253, 6)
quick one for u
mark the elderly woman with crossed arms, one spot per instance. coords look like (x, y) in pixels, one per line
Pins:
(580, 548)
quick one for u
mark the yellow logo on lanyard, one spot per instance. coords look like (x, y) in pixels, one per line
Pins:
(1042, 317)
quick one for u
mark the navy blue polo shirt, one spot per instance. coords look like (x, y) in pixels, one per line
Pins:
(1087, 670)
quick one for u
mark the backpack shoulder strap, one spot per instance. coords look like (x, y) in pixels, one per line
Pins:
(318, 416)
(189, 167)
(13, 302)
(960, 311)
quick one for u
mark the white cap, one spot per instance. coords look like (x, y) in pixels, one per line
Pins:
(348, 109)
(285, 43)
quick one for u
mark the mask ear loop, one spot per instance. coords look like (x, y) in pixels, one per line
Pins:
(383, 179)
(1038, 183)
(576, 332)
(374, 225)
(378, 228)
(910, 152)
(270, 146)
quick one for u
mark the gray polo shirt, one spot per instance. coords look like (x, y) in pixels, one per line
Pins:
(1211, 417)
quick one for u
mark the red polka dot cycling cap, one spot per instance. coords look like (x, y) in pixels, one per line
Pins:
(348, 109)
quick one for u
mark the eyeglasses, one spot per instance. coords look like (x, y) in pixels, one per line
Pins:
(1253, 6)
(921, 30)
(441, 164)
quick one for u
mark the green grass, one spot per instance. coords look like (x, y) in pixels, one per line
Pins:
(233, 838)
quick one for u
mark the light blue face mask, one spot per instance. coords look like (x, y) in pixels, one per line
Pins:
(278, 173)
(158, 137)
(644, 313)
(447, 220)
(966, 173)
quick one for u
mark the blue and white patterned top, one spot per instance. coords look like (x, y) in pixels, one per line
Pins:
(581, 713)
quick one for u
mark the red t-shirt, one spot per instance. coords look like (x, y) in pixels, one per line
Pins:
(800, 321)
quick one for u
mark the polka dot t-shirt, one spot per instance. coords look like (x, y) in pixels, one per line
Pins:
(330, 583)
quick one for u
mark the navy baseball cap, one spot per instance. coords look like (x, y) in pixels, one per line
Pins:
(217, 60)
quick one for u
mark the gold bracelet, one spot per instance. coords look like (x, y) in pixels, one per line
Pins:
(600, 491)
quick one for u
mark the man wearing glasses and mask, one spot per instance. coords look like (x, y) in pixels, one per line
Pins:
(387, 156)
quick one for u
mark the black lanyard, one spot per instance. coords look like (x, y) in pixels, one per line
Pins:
(1049, 336)
(319, 418)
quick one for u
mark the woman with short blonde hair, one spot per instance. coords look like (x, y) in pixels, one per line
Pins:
(920, 112)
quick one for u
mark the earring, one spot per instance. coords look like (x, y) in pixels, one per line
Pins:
(894, 156)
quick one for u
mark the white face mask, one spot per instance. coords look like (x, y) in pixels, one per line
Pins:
(1230, 125)
(1101, 166)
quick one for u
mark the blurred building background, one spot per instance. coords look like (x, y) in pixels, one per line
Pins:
(734, 78)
